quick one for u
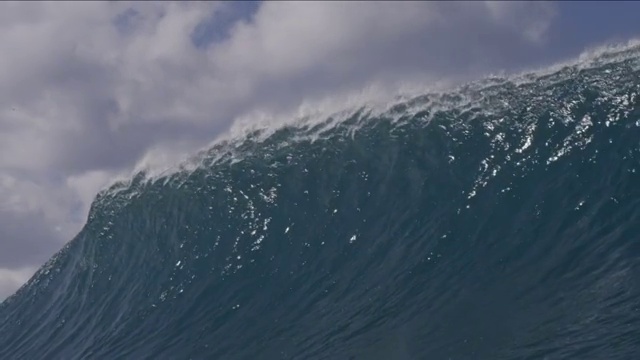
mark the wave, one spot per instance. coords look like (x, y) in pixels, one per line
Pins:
(498, 220)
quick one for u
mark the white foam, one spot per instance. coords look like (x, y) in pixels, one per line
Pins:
(375, 99)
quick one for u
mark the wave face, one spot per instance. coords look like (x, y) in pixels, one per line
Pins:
(498, 221)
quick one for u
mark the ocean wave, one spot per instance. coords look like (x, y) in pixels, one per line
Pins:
(494, 220)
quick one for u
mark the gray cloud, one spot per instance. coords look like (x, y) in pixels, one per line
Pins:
(23, 239)
(12, 279)
(90, 89)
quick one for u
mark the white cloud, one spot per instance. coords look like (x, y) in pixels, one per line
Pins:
(87, 89)
(292, 50)
(531, 20)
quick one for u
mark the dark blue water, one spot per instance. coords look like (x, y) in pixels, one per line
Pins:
(497, 221)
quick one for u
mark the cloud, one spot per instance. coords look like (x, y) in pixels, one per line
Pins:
(295, 50)
(88, 89)
(12, 279)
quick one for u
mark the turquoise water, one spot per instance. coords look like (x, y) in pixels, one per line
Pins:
(497, 221)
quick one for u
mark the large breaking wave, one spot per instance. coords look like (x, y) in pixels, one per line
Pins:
(497, 221)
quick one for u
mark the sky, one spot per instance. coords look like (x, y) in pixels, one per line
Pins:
(90, 91)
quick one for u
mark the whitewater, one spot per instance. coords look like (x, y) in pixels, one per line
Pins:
(498, 220)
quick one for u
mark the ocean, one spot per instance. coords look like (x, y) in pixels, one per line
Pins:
(498, 220)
